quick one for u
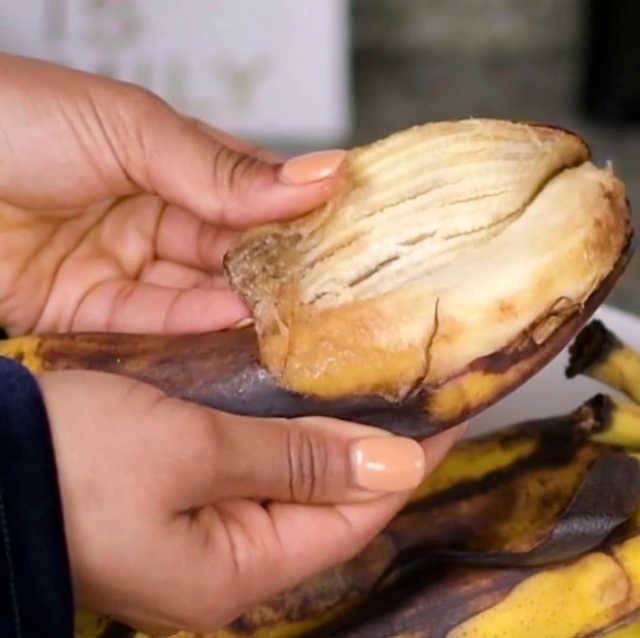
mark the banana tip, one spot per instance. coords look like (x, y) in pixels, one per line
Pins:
(593, 344)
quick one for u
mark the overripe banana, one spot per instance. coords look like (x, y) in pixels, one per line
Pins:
(459, 258)
(530, 531)
(536, 494)
(482, 242)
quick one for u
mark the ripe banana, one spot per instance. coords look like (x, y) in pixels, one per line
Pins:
(459, 258)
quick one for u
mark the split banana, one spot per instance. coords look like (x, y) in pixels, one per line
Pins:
(483, 243)
(459, 258)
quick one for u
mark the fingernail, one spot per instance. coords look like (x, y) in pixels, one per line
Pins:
(387, 463)
(312, 167)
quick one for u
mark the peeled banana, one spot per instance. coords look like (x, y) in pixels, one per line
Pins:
(459, 258)
(484, 243)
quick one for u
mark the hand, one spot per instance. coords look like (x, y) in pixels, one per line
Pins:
(115, 211)
(169, 509)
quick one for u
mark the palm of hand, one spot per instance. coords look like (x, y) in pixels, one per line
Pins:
(133, 264)
(115, 211)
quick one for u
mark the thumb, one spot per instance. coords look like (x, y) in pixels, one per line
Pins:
(220, 179)
(311, 460)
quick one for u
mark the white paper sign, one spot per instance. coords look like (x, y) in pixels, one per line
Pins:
(262, 69)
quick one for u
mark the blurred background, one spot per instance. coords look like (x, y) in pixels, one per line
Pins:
(306, 75)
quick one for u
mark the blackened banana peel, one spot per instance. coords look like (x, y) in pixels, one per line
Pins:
(459, 259)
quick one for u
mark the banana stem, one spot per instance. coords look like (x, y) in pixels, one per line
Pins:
(610, 421)
(598, 353)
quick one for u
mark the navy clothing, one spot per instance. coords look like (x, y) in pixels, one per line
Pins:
(35, 582)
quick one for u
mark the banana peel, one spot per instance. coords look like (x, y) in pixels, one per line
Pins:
(459, 258)
(585, 596)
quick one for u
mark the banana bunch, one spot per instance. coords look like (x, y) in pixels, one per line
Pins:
(532, 531)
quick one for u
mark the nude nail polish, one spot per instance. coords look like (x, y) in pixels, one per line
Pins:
(312, 167)
(387, 464)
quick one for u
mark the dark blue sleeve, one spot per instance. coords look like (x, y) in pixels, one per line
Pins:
(35, 584)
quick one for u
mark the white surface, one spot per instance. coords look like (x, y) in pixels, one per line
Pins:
(550, 392)
(263, 69)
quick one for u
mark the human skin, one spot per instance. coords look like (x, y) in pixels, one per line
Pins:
(115, 212)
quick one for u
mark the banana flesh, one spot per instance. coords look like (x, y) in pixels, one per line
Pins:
(478, 240)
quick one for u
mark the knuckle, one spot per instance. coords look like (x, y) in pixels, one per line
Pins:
(307, 461)
(142, 99)
(231, 168)
(131, 106)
